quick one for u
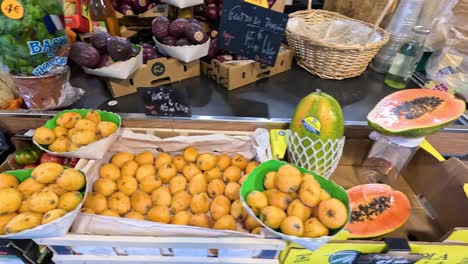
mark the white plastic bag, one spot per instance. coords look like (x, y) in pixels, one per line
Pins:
(7, 89)
(48, 92)
(451, 23)
(183, 3)
(339, 31)
(448, 69)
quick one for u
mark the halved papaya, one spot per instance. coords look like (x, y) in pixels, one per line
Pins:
(415, 112)
(376, 210)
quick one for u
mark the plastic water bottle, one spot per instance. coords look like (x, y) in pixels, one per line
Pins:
(400, 29)
(406, 60)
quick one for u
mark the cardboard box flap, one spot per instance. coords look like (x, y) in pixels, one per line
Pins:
(440, 185)
(434, 189)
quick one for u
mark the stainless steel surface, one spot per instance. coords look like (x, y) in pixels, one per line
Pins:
(271, 98)
(278, 121)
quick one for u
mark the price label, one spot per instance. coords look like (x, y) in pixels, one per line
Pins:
(251, 31)
(262, 3)
(12, 9)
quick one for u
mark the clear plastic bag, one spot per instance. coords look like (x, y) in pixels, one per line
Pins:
(32, 36)
(7, 90)
(34, 50)
(48, 92)
(340, 31)
(450, 23)
(448, 69)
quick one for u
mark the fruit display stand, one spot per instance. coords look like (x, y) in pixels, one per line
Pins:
(128, 249)
(356, 147)
(421, 226)
(430, 217)
(164, 249)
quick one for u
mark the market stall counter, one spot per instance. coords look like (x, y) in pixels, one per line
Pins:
(269, 102)
(272, 98)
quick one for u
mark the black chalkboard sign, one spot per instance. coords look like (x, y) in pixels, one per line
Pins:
(251, 31)
(164, 101)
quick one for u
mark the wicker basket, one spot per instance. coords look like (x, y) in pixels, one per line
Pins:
(330, 60)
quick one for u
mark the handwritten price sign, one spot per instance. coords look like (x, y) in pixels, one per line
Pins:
(12, 9)
(251, 31)
(164, 101)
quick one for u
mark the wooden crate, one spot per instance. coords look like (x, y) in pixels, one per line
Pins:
(70, 249)
(236, 74)
(155, 72)
(217, 250)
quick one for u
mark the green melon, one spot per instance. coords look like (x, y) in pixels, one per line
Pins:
(415, 112)
(318, 116)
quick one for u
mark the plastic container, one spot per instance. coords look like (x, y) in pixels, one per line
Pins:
(405, 62)
(57, 228)
(95, 150)
(387, 158)
(254, 182)
(400, 29)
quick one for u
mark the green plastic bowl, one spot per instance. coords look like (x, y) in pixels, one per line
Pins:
(24, 174)
(58, 227)
(105, 116)
(95, 150)
(254, 182)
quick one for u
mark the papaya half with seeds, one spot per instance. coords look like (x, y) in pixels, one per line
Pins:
(376, 210)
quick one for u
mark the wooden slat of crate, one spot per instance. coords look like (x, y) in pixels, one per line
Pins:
(78, 240)
(166, 132)
(163, 242)
(90, 259)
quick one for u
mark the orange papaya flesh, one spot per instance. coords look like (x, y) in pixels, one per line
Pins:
(376, 210)
(415, 112)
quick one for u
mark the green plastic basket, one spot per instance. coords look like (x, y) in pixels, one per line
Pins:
(21, 174)
(254, 182)
(24, 174)
(95, 150)
(105, 116)
(58, 227)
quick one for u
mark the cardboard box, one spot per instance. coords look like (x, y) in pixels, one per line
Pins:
(236, 74)
(79, 21)
(438, 206)
(437, 253)
(154, 73)
(278, 6)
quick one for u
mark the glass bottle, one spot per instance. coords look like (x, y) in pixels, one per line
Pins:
(387, 158)
(405, 62)
(102, 13)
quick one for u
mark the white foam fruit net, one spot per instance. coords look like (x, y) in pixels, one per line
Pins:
(320, 156)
